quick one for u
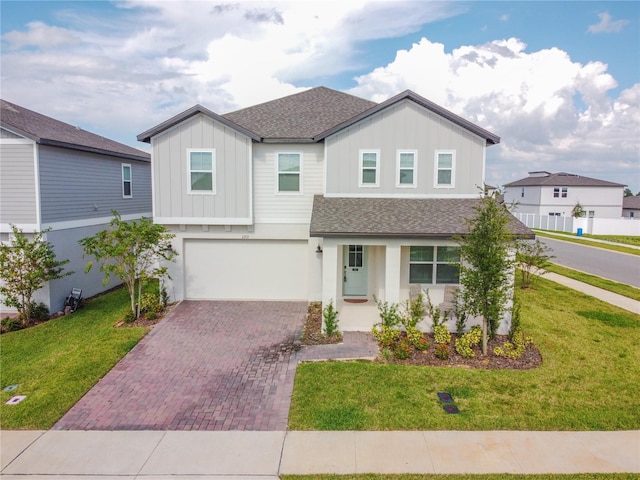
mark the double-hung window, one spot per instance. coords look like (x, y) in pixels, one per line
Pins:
(127, 191)
(406, 171)
(289, 172)
(560, 192)
(445, 163)
(439, 263)
(369, 163)
(202, 166)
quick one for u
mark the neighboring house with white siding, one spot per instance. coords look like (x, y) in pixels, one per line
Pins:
(631, 206)
(316, 196)
(58, 176)
(556, 194)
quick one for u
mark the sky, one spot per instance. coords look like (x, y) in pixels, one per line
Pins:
(559, 82)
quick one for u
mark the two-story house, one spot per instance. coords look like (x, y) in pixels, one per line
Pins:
(556, 194)
(57, 176)
(320, 195)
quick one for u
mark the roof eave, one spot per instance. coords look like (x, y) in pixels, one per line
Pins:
(19, 131)
(101, 151)
(191, 112)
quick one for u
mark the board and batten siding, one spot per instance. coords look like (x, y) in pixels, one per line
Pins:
(404, 126)
(231, 202)
(18, 197)
(77, 185)
(272, 206)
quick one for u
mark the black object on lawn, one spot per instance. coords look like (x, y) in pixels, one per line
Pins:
(450, 408)
(445, 397)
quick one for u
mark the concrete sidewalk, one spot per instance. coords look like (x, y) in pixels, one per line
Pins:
(171, 454)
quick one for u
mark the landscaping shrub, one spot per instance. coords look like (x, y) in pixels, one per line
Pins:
(11, 324)
(414, 335)
(149, 302)
(441, 334)
(39, 311)
(330, 315)
(413, 312)
(515, 348)
(403, 349)
(388, 313)
(465, 344)
(386, 336)
(442, 351)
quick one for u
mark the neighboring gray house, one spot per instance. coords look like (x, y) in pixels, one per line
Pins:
(55, 175)
(556, 194)
(631, 206)
(319, 195)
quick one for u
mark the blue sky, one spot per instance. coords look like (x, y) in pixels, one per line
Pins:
(558, 81)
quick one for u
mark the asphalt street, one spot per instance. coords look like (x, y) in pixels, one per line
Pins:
(620, 267)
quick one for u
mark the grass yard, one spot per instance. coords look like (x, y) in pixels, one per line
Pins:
(568, 237)
(588, 380)
(57, 362)
(605, 284)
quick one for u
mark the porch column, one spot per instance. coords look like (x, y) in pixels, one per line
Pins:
(392, 274)
(329, 273)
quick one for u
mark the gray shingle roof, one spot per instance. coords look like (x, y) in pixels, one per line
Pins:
(396, 217)
(49, 131)
(632, 202)
(562, 179)
(301, 116)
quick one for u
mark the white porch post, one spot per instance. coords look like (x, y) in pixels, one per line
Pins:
(392, 274)
(329, 273)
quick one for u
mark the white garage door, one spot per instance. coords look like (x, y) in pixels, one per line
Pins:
(246, 270)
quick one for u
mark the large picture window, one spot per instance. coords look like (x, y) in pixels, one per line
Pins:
(445, 163)
(127, 191)
(435, 265)
(201, 164)
(289, 171)
(406, 162)
(369, 160)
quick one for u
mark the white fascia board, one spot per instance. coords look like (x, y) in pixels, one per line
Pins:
(203, 220)
(25, 227)
(401, 195)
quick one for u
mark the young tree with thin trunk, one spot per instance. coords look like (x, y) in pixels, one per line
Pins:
(25, 266)
(133, 251)
(486, 263)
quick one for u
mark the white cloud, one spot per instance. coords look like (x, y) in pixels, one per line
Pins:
(529, 100)
(607, 24)
(40, 35)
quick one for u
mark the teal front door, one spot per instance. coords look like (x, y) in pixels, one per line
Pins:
(354, 270)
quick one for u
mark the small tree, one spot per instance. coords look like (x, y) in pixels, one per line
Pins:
(627, 192)
(578, 211)
(532, 258)
(132, 251)
(486, 264)
(25, 266)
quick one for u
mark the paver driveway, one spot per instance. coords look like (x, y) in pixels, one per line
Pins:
(207, 366)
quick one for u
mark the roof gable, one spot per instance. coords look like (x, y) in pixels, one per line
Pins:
(49, 131)
(490, 138)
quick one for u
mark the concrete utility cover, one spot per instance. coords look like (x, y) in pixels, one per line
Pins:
(10, 388)
(450, 408)
(445, 397)
(16, 400)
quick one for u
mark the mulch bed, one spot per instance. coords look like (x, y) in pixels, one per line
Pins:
(531, 358)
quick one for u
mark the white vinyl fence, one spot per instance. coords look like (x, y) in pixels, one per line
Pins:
(593, 226)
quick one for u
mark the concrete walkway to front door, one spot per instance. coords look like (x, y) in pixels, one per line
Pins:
(208, 365)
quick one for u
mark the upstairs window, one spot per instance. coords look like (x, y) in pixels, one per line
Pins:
(406, 162)
(556, 192)
(522, 192)
(560, 192)
(201, 171)
(445, 167)
(369, 168)
(127, 192)
(289, 171)
(563, 192)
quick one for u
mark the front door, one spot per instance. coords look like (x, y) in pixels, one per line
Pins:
(355, 270)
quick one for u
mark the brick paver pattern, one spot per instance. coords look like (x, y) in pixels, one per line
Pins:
(218, 365)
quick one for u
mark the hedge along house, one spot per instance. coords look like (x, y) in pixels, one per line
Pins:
(318, 196)
(58, 176)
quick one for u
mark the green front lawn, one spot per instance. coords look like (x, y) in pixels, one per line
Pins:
(569, 237)
(588, 380)
(615, 287)
(57, 362)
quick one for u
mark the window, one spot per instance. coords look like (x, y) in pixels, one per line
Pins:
(556, 192)
(201, 171)
(369, 168)
(427, 263)
(289, 170)
(126, 181)
(522, 192)
(406, 162)
(554, 214)
(564, 192)
(444, 165)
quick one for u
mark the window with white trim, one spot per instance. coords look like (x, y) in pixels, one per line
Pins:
(369, 163)
(127, 191)
(201, 165)
(522, 192)
(560, 192)
(439, 263)
(563, 192)
(445, 163)
(406, 168)
(289, 172)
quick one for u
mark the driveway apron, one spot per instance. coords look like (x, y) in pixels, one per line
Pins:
(209, 365)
